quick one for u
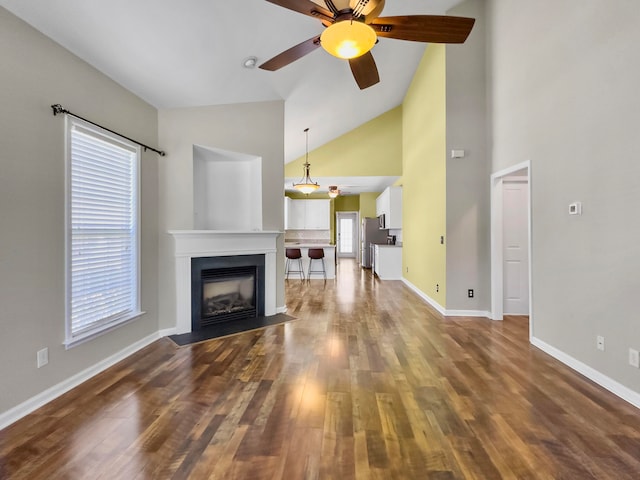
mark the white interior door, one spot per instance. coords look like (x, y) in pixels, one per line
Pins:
(347, 234)
(515, 196)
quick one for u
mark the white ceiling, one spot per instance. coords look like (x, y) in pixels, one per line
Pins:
(190, 53)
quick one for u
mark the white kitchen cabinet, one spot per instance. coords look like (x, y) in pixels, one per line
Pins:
(389, 204)
(388, 262)
(287, 209)
(307, 214)
(295, 215)
(317, 214)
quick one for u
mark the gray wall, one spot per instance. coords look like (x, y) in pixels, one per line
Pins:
(35, 73)
(250, 128)
(565, 96)
(468, 236)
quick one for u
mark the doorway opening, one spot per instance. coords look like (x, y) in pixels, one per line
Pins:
(511, 243)
(347, 234)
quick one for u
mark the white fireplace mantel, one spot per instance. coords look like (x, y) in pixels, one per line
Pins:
(217, 243)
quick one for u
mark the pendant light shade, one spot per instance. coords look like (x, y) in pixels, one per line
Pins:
(333, 191)
(306, 185)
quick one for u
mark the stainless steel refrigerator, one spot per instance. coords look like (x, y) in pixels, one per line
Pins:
(370, 233)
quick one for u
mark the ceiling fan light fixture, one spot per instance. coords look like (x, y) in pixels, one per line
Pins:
(348, 39)
(306, 185)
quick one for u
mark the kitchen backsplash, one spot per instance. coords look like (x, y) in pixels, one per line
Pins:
(309, 236)
(398, 234)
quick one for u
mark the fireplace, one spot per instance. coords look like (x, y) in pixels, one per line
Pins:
(226, 289)
(204, 245)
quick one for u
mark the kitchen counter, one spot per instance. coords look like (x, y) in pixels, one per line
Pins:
(307, 245)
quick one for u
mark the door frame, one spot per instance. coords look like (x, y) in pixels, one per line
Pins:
(497, 257)
(356, 234)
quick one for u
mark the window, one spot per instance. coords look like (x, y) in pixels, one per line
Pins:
(102, 231)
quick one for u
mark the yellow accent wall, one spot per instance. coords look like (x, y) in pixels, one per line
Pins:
(368, 204)
(372, 149)
(347, 203)
(424, 176)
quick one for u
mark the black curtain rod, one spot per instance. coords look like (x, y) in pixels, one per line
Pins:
(57, 108)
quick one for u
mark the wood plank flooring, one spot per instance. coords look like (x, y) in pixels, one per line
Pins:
(368, 383)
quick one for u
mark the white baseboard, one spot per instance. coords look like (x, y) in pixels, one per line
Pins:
(32, 404)
(424, 296)
(468, 313)
(594, 375)
(165, 332)
(441, 309)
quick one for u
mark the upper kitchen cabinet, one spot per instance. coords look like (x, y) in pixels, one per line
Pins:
(294, 214)
(307, 214)
(317, 214)
(389, 204)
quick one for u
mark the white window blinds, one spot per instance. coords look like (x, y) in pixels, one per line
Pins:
(102, 281)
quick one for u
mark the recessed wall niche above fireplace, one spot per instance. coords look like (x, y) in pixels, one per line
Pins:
(226, 289)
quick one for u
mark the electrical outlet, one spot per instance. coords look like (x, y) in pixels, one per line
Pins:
(437, 287)
(42, 357)
(407, 269)
(634, 358)
(600, 342)
(470, 293)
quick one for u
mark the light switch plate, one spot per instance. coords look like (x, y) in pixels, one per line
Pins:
(634, 358)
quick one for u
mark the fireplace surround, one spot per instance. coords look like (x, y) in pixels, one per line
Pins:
(195, 244)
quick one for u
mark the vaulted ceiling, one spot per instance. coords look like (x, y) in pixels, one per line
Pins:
(191, 53)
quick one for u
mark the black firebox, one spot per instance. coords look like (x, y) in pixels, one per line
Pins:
(226, 289)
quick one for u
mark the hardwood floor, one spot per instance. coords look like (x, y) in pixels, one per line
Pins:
(368, 383)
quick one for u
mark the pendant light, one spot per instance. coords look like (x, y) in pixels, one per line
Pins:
(333, 191)
(306, 185)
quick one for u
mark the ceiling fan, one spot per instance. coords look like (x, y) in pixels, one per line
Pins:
(353, 28)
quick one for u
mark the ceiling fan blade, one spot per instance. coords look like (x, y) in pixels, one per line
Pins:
(364, 70)
(291, 55)
(306, 7)
(424, 28)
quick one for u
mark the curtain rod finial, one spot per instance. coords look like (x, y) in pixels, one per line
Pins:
(57, 108)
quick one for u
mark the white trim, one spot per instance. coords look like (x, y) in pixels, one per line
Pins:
(95, 329)
(497, 280)
(281, 309)
(94, 333)
(444, 311)
(425, 297)
(37, 401)
(356, 233)
(468, 313)
(608, 383)
(190, 244)
(166, 332)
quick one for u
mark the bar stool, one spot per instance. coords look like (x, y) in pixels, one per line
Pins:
(316, 254)
(293, 254)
